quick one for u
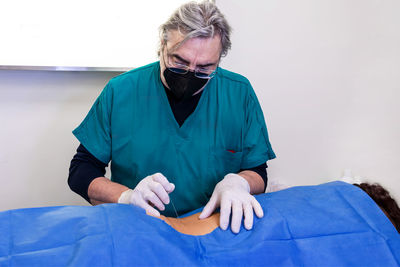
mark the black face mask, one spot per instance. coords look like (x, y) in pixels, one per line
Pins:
(183, 86)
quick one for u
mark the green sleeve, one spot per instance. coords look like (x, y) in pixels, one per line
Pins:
(256, 146)
(94, 133)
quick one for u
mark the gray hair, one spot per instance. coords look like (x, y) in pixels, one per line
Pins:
(198, 20)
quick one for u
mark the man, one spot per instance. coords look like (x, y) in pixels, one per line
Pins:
(180, 130)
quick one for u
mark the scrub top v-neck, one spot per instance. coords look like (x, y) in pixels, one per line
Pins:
(167, 107)
(132, 125)
(182, 108)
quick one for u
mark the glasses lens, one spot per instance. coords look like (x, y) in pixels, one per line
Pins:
(202, 75)
(178, 70)
(206, 75)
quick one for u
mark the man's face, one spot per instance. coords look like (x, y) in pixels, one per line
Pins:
(197, 53)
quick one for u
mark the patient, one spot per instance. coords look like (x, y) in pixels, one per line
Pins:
(191, 225)
(334, 217)
(383, 199)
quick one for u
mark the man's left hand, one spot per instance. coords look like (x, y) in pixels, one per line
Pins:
(233, 194)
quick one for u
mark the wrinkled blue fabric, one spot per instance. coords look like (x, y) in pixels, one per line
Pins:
(333, 224)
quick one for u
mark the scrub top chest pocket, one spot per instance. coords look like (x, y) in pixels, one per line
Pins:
(224, 160)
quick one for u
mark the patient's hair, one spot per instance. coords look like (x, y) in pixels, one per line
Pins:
(382, 197)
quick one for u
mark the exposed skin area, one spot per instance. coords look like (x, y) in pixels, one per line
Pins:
(192, 225)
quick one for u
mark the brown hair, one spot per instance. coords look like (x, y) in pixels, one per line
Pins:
(382, 197)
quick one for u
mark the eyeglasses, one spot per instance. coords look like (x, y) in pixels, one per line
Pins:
(177, 66)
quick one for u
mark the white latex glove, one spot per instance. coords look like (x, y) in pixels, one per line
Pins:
(233, 193)
(150, 192)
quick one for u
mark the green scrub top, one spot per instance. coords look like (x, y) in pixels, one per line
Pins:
(132, 125)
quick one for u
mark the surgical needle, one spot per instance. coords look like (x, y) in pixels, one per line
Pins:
(174, 208)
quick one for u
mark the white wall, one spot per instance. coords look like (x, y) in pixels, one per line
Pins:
(73, 33)
(327, 74)
(38, 112)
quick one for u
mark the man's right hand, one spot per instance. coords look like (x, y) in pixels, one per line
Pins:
(149, 193)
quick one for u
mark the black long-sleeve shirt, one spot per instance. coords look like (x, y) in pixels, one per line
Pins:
(85, 167)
